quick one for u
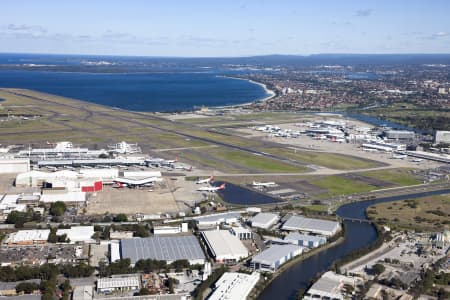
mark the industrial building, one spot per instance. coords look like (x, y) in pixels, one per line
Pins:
(170, 229)
(241, 233)
(78, 234)
(234, 286)
(9, 203)
(310, 241)
(272, 258)
(114, 251)
(10, 165)
(73, 198)
(216, 219)
(330, 286)
(122, 284)
(167, 248)
(399, 134)
(224, 247)
(316, 226)
(124, 161)
(264, 220)
(28, 237)
(442, 136)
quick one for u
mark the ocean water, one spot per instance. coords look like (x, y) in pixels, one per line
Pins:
(157, 91)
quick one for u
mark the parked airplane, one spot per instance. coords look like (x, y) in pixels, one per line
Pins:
(206, 180)
(211, 189)
(120, 182)
(264, 184)
(399, 156)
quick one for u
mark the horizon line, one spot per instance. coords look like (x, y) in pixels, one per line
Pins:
(230, 57)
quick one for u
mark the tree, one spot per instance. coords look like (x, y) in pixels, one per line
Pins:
(141, 231)
(26, 287)
(143, 292)
(120, 218)
(65, 287)
(377, 269)
(58, 208)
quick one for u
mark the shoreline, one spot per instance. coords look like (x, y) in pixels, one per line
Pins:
(270, 93)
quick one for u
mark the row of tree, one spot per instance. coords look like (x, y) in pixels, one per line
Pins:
(123, 266)
(44, 272)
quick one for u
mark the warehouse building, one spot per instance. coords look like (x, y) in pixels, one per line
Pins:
(241, 233)
(71, 198)
(216, 219)
(28, 237)
(37, 178)
(224, 247)
(170, 229)
(234, 286)
(330, 286)
(442, 136)
(9, 165)
(272, 258)
(399, 134)
(119, 284)
(310, 241)
(78, 234)
(9, 203)
(264, 220)
(168, 248)
(316, 226)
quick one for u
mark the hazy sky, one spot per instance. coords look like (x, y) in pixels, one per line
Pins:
(224, 28)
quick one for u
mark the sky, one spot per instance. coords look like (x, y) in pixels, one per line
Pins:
(208, 28)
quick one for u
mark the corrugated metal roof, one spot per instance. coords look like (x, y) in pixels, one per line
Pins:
(302, 223)
(274, 253)
(167, 248)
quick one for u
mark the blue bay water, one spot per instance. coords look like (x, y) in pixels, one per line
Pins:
(177, 91)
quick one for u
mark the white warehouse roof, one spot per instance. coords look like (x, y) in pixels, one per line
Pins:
(24, 236)
(78, 233)
(234, 286)
(276, 253)
(224, 245)
(118, 282)
(71, 197)
(318, 226)
(215, 219)
(264, 220)
(295, 236)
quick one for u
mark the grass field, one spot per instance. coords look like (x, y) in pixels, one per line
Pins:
(329, 160)
(336, 186)
(400, 177)
(252, 161)
(423, 214)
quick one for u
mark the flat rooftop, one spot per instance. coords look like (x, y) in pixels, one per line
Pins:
(223, 243)
(302, 223)
(275, 253)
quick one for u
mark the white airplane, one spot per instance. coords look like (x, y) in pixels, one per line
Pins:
(417, 160)
(206, 180)
(370, 150)
(264, 184)
(211, 189)
(399, 156)
(120, 182)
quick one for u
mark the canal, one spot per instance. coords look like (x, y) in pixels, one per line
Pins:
(357, 236)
